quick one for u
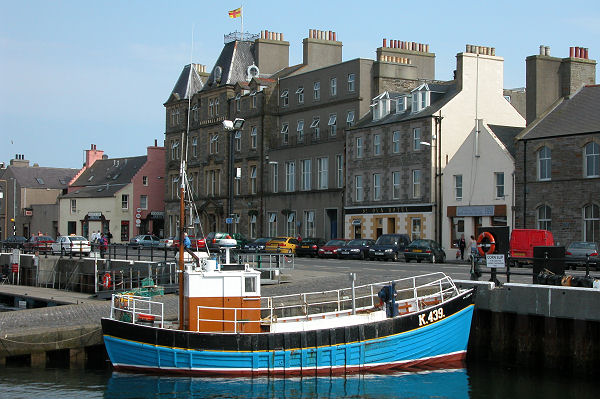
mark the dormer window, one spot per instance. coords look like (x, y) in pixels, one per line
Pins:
(237, 102)
(401, 103)
(420, 98)
(381, 106)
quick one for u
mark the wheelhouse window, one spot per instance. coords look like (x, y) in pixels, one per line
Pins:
(544, 157)
(592, 160)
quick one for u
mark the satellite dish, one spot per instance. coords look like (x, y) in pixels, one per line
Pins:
(252, 72)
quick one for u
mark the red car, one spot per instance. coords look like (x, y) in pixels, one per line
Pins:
(41, 244)
(197, 244)
(331, 248)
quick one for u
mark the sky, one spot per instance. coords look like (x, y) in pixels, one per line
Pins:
(76, 73)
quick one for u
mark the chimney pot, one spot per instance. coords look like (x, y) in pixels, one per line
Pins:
(384, 43)
(571, 52)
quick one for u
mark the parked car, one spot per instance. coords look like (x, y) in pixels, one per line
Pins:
(171, 243)
(196, 243)
(428, 250)
(331, 248)
(38, 243)
(213, 240)
(389, 246)
(241, 239)
(576, 254)
(144, 240)
(522, 242)
(14, 242)
(71, 244)
(257, 245)
(310, 246)
(356, 249)
(282, 244)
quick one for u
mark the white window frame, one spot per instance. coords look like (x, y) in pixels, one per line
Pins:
(145, 181)
(339, 163)
(124, 201)
(252, 226)
(285, 127)
(144, 201)
(458, 187)
(359, 147)
(291, 224)
(211, 109)
(351, 82)
(305, 168)
(285, 99)
(396, 142)
(376, 186)
(300, 93)
(332, 123)
(300, 130)
(195, 147)
(499, 184)
(396, 185)
(333, 86)
(253, 96)
(358, 188)
(73, 206)
(376, 144)
(290, 176)
(309, 223)
(315, 127)
(350, 118)
(253, 137)
(272, 218)
(416, 183)
(591, 223)
(237, 136)
(544, 163)
(323, 173)
(591, 160)
(316, 91)
(417, 138)
(543, 215)
(275, 178)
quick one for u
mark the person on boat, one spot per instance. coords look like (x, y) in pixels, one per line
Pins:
(186, 241)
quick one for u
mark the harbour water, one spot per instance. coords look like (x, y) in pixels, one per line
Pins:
(475, 381)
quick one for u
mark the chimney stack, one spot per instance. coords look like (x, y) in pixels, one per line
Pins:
(272, 52)
(321, 49)
(408, 53)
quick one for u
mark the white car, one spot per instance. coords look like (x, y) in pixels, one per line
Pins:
(71, 244)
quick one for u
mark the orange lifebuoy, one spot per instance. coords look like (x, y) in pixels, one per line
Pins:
(106, 280)
(491, 241)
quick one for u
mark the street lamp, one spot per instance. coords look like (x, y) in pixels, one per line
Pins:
(231, 126)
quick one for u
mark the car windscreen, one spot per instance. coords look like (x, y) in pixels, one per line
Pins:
(386, 240)
(77, 238)
(419, 243)
(583, 245)
(356, 242)
(336, 242)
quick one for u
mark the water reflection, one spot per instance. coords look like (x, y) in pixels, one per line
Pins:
(431, 384)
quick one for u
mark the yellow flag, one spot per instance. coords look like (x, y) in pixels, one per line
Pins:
(235, 13)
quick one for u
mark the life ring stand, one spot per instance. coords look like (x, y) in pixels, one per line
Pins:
(106, 280)
(491, 240)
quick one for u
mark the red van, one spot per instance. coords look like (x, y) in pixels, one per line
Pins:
(522, 242)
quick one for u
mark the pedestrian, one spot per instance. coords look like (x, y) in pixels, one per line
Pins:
(472, 246)
(109, 236)
(461, 245)
(186, 241)
(103, 244)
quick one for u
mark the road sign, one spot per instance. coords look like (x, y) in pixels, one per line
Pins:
(229, 220)
(494, 261)
(138, 216)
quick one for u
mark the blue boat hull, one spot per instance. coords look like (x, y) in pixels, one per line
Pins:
(432, 338)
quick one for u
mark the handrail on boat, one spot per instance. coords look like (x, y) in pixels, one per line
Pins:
(135, 309)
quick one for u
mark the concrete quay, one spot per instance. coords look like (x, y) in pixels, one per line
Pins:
(519, 324)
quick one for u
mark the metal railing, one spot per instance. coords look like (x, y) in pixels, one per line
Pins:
(136, 309)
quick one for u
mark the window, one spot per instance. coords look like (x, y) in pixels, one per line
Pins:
(333, 86)
(290, 176)
(275, 178)
(237, 103)
(253, 179)
(420, 99)
(351, 82)
(376, 144)
(592, 160)
(416, 183)
(305, 177)
(544, 156)
(458, 187)
(309, 223)
(350, 118)
(144, 201)
(249, 285)
(315, 127)
(396, 142)
(125, 201)
(73, 206)
(358, 188)
(322, 173)
(238, 141)
(145, 180)
(396, 185)
(212, 185)
(416, 228)
(401, 104)
(499, 179)
(300, 130)
(544, 217)
(339, 165)
(253, 96)
(417, 138)
(272, 224)
(332, 124)
(253, 137)
(359, 147)
(211, 106)
(284, 133)
(253, 226)
(591, 223)
(194, 147)
(213, 144)
(216, 107)
(237, 181)
(317, 91)
(376, 186)
(285, 98)
(175, 149)
(174, 187)
(300, 93)
(291, 224)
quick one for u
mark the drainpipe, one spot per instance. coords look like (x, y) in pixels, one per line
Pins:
(524, 183)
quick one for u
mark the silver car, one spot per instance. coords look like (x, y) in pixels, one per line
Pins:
(576, 254)
(71, 244)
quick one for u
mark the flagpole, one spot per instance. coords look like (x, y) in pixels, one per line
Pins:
(242, 12)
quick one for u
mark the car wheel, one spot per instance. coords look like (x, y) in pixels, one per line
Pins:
(395, 257)
(362, 255)
(418, 260)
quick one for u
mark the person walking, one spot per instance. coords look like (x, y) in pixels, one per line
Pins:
(103, 243)
(461, 245)
(472, 247)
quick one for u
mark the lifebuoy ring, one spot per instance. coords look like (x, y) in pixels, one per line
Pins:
(106, 280)
(491, 242)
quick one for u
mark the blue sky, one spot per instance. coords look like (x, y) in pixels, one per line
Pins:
(73, 73)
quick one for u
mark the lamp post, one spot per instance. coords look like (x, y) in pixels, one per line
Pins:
(232, 127)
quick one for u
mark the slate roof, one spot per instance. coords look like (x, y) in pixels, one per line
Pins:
(441, 94)
(233, 63)
(574, 115)
(38, 177)
(106, 176)
(507, 134)
(187, 84)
